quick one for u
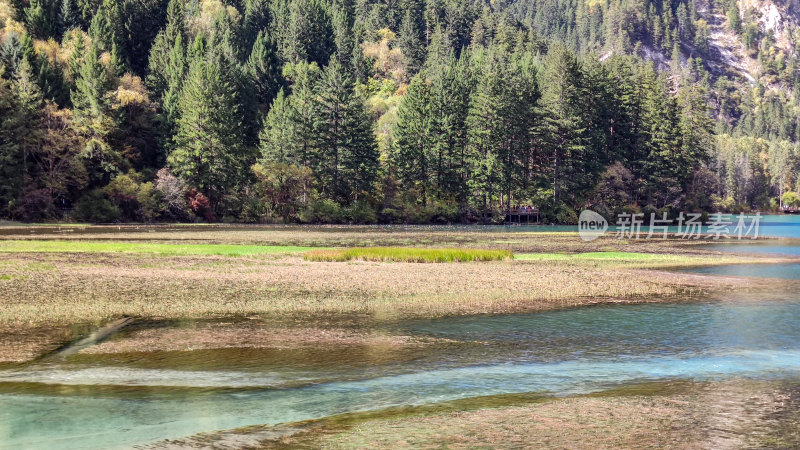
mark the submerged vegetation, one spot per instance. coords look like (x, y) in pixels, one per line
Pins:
(420, 255)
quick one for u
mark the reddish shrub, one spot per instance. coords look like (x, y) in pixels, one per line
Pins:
(200, 205)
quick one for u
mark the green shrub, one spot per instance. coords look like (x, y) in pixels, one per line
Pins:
(323, 211)
(362, 213)
(791, 199)
(94, 207)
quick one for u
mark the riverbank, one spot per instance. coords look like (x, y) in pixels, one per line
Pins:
(679, 414)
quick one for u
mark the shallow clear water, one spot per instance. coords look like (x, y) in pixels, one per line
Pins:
(770, 225)
(784, 271)
(82, 404)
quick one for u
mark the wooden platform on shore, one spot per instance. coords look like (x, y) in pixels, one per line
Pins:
(522, 215)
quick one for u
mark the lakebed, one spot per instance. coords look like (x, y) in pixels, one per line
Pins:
(232, 327)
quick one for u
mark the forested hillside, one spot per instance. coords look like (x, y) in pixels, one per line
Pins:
(394, 111)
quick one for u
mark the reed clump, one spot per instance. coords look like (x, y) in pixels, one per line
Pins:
(408, 254)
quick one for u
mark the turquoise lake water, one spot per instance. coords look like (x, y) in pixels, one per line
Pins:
(69, 405)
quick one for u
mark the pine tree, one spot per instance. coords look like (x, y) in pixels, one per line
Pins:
(304, 77)
(439, 51)
(695, 131)
(69, 16)
(91, 88)
(411, 40)
(116, 62)
(12, 165)
(346, 155)
(39, 20)
(278, 143)
(661, 166)
(414, 138)
(256, 20)
(303, 31)
(102, 30)
(50, 79)
(264, 68)
(164, 45)
(26, 90)
(343, 38)
(452, 90)
(564, 128)
(209, 151)
(76, 57)
(174, 73)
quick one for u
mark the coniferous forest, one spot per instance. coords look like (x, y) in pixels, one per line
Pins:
(389, 111)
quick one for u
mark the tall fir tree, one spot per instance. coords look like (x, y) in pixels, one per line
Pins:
(164, 45)
(414, 139)
(346, 154)
(69, 16)
(564, 127)
(12, 165)
(264, 68)
(209, 150)
(92, 85)
(278, 142)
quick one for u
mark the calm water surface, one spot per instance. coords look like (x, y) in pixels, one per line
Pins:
(83, 404)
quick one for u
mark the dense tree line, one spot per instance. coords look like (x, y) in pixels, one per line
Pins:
(371, 111)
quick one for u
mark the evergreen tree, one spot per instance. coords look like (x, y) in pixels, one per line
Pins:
(209, 151)
(303, 30)
(564, 127)
(278, 143)
(163, 51)
(486, 138)
(76, 57)
(264, 68)
(27, 91)
(91, 88)
(411, 39)
(69, 16)
(414, 138)
(12, 165)
(452, 91)
(40, 19)
(256, 20)
(346, 155)
(304, 77)
(174, 73)
(103, 30)
(660, 167)
(343, 38)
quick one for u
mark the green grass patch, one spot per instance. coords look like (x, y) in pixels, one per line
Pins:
(406, 254)
(150, 248)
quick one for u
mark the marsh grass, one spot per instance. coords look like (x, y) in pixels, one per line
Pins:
(639, 260)
(150, 248)
(414, 255)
